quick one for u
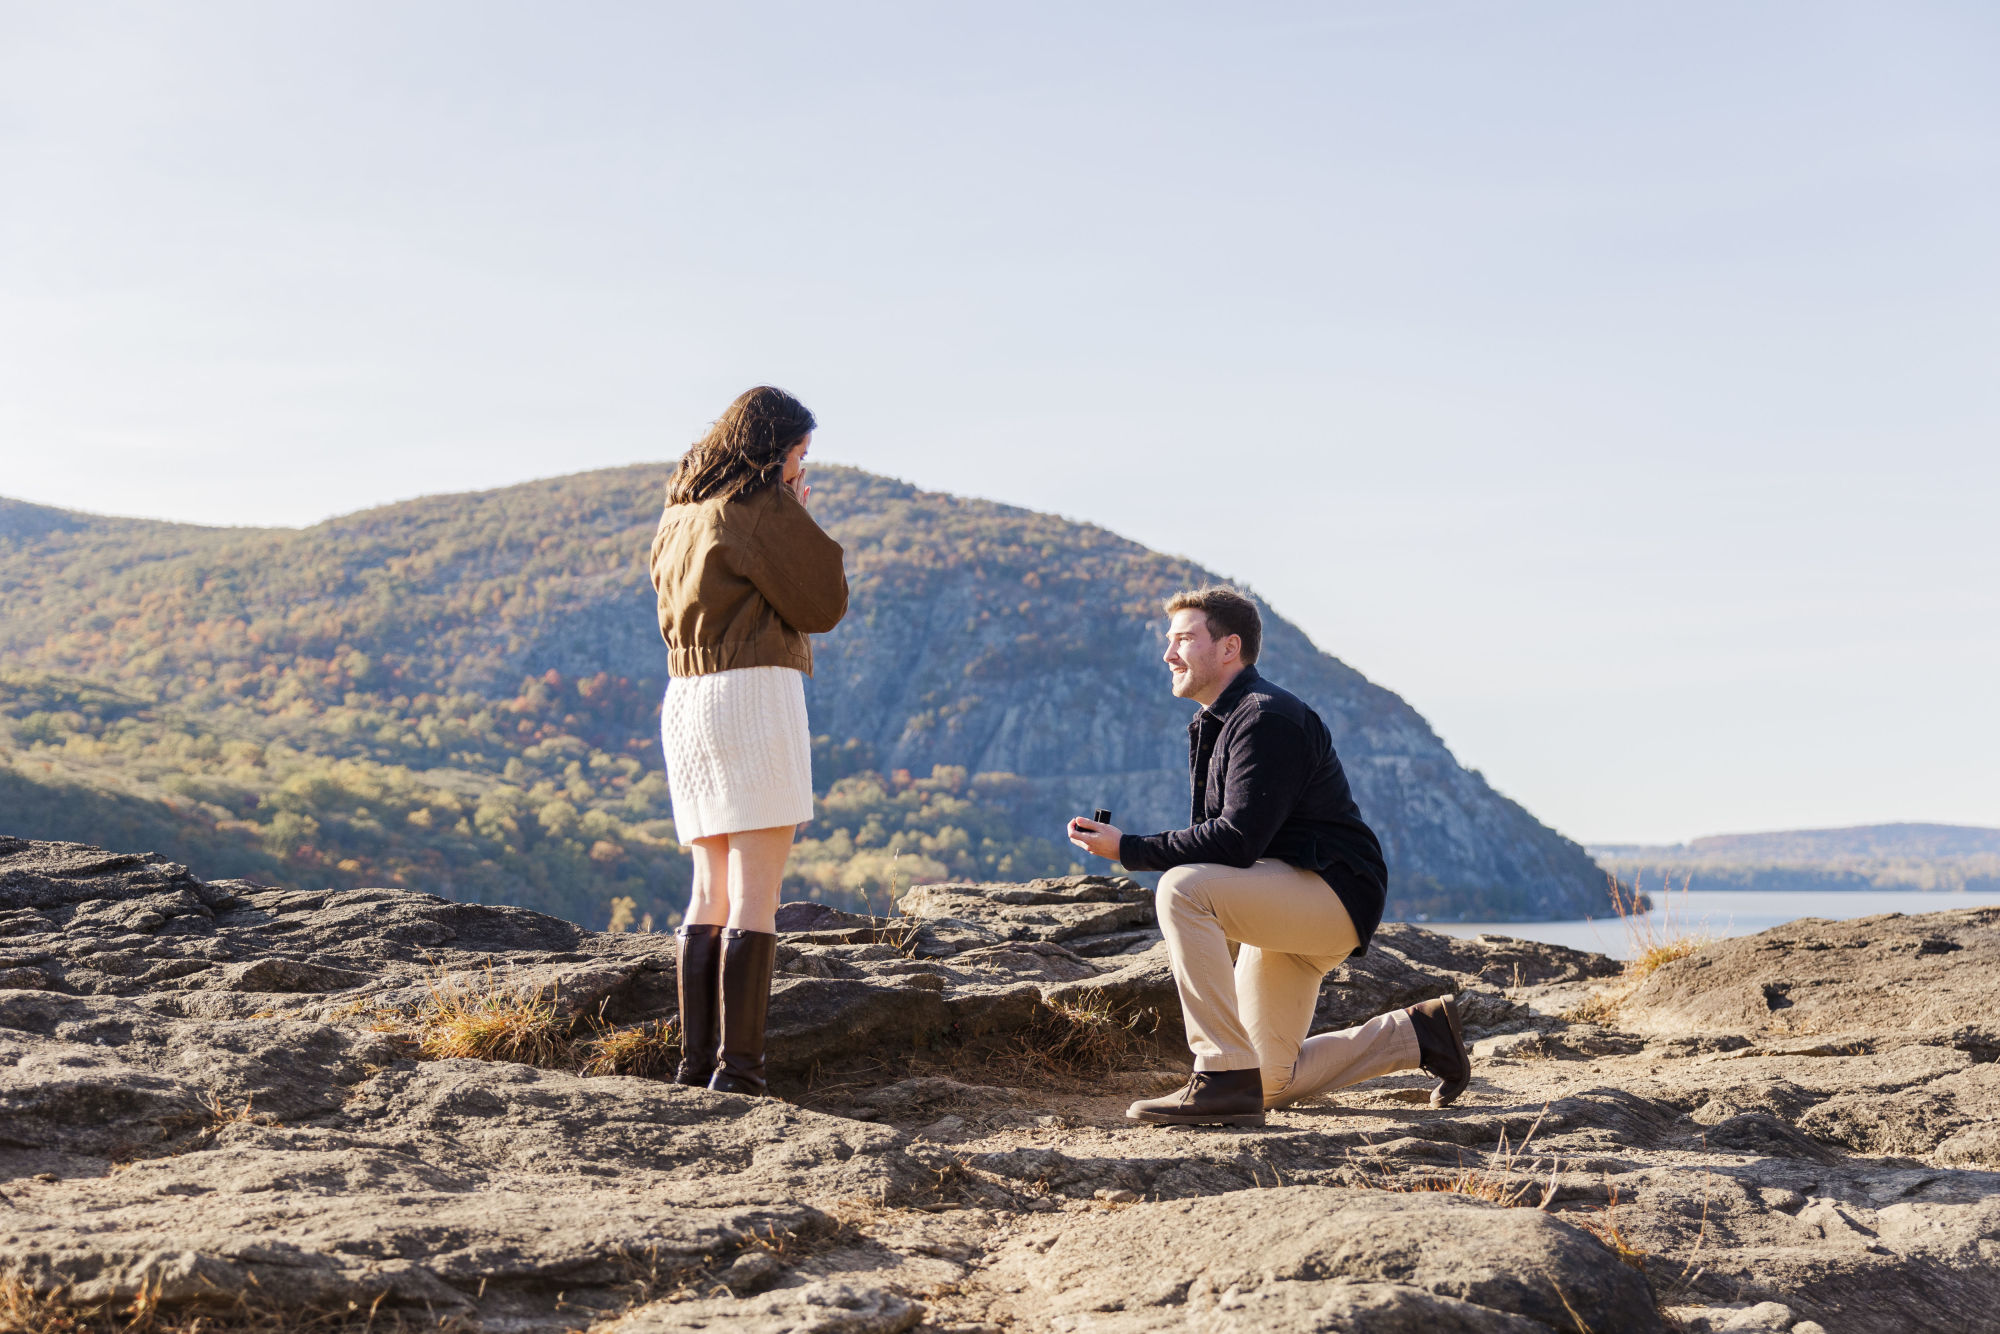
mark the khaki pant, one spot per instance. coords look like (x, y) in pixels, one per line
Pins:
(1293, 931)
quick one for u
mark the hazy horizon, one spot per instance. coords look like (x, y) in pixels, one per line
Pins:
(1618, 384)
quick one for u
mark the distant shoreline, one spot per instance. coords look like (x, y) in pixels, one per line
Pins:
(1923, 858)
(1723, 913)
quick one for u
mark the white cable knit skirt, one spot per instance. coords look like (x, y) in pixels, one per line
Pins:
(738, 753)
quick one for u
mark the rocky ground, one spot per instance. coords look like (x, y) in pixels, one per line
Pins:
(239, 1101)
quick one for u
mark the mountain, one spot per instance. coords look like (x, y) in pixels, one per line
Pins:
(461, 692)
(1939, 857)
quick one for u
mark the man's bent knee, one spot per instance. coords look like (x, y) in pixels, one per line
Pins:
(1177, 888)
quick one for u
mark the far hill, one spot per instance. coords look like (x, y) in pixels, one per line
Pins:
(1941, 857)
(460, 693)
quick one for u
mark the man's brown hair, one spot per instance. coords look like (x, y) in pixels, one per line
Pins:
(1227, 612)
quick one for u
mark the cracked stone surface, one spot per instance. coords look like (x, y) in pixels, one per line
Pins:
(210, 1087)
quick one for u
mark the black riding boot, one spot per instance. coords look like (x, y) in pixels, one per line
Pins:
(747, 957)
(699, 957)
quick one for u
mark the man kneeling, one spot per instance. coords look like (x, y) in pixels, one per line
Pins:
(1279, 860)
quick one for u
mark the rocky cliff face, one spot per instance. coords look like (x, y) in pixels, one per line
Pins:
(1038, 654)
(241, 1102)
(1004, 640)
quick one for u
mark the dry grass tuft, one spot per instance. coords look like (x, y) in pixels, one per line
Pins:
(23, 1310)
(858, 1212)
(494, 1021)
(649, 1051)
(674, 1277)
(1603, 1225)
(1650, 945)
(1656, 943)
(1086, 1038)
(204, 1118)
(1503, 1179)
(221, 1115)
(902, 937)
(1600, 1007)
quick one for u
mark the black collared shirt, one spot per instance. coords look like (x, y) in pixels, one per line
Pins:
(1265, 782)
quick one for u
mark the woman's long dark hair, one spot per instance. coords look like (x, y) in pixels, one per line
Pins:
(744, 450)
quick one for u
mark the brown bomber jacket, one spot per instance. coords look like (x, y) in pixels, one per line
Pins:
(742, 582)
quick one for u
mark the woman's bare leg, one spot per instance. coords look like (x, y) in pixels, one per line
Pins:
(708, 900)
(749, 951)
(756, 871)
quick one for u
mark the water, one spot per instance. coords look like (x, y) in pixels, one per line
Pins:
(1723, 913)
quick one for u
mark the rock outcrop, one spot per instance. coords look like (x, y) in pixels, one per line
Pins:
(221, 1098)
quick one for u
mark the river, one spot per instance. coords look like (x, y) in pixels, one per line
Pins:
(1720, 913)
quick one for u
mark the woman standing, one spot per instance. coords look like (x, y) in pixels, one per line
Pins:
(743, 576)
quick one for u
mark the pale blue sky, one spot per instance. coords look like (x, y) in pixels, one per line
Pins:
(1616, 382)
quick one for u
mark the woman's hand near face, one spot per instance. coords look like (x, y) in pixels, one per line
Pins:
(795, 468)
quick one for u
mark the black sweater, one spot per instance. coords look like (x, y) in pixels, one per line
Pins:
(1266, 783)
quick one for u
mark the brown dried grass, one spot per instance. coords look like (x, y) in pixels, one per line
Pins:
(208, 1116)
(1501, 1179)
(26, 1310)
(647, 1051)
(1603, 1224)
(1504, 1180)
(1655, 943)
(494, 1021)
(1650, 945)
(1084, 1039)
(1600, 1007)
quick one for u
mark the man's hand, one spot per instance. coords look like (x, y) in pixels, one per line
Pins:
(1098, 839)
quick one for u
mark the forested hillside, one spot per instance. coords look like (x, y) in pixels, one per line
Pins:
(460, 693)
(1931, 857)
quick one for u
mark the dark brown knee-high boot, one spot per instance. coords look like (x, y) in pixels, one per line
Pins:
(699, 963)
(747, 957)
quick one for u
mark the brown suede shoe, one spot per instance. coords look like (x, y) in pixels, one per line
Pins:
(1211, 1098)
(1441, 1047)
